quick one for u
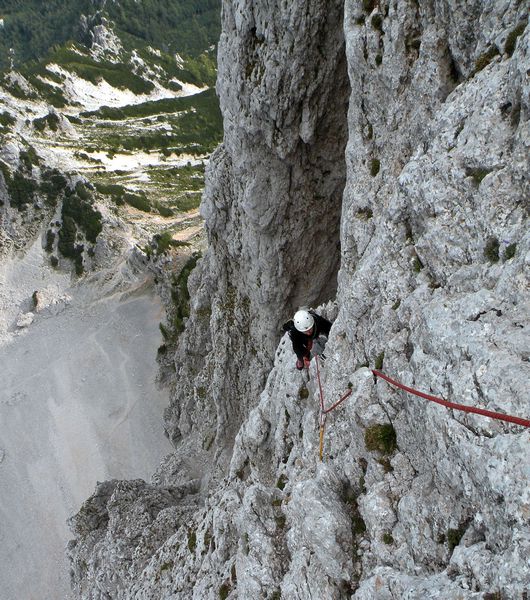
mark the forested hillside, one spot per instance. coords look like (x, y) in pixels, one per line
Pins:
(187, 26)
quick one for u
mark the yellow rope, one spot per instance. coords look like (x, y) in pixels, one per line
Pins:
(321, 441)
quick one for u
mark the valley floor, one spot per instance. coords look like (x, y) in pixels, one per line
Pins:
(78, 404)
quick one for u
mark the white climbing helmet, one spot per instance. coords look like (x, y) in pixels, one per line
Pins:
(303, 321)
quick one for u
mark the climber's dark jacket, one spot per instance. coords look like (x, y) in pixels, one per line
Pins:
(303, 343)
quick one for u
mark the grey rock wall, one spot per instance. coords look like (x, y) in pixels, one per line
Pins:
(432, 288)
(272, 210)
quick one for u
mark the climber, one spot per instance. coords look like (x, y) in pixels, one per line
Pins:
(309, 333)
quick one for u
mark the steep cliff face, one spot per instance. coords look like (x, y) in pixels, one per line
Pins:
(432, 288)
(272, 209)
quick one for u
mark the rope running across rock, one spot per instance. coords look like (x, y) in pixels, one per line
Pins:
(462, 407)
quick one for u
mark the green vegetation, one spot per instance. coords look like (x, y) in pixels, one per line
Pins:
(188, 202)
(33, 27)
(282, 480)
(510, 251)
(188, 177)
(77, 213)
(358, 525)
(493, 596)
(163, 210)
(29, 157)
(165, 333)
(192, 540)
(82, 213)
(417, 265)
(184, 184)
(380, 438)
(53, 185)
(162, 242)
(477, 174)
(303, 393)
(224, 590)
(200, 101)
(454, 536)
(369, 5)
(378, 364)
(180, 295)
(375, 165)
(387, 538)
(6, 120)
(396, 304)
(198, 70)
(208, 538)
(365, 213)
(119, 75)
(412, 44)
(116, 192)
(50, 239)
(138, 201)
(386, 464)
(33, 72)
(51, 120)
(15, 89)
(121, 195)
(21, 189)
(511, 40)
(196, 125)
(484, 59)
(67, 244)
(378, 59)
(491, 250)
(377, 22)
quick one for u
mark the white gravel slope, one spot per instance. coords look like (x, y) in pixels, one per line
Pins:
(78, 404)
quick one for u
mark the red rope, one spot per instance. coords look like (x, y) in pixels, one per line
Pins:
(324, 410)
(346, 395)
(462, 407)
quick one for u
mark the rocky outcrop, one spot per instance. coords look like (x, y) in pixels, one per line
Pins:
(412, 500)
(272, 209)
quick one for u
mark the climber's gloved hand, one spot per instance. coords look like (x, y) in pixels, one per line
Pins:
(299, 364)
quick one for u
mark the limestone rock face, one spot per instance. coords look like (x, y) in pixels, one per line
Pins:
(412, 500)
(272, 210)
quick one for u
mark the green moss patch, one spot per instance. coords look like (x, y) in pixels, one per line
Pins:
(380, 438)
(454, 536)
(6, 119)
(491, 250)
(192, 540)
(21, 189)
(511, 40)
(484, 59)
(180, 296)
(510, 251)
(282, 481)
